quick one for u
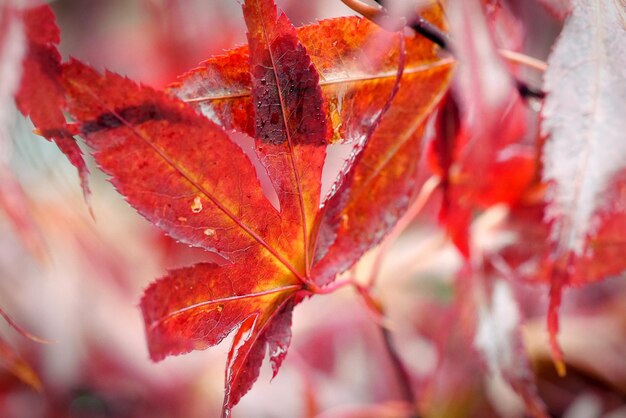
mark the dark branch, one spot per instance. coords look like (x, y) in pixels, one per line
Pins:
(403, 375)
(431, 32)
(439, 37)
(528, 92)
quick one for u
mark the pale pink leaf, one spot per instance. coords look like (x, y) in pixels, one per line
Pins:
(584, 120)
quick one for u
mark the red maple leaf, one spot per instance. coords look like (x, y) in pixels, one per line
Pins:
(295, 92)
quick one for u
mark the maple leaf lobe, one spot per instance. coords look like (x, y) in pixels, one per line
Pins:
(165, 156)
(299, 95)
(285, 84)
(196, 307)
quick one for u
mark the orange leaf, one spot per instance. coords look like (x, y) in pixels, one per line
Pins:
(186, 174)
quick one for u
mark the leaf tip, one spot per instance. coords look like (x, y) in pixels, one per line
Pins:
(561, 369)
(553, 324)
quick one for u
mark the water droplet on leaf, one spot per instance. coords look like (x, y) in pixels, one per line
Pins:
(196, 206)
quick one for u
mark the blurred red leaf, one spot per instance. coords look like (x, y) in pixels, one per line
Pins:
(15, 204)
(12, 362)
(41, 95)
(498, 337)
(584, 153)
(483, 146)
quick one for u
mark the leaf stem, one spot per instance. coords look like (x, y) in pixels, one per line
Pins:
(370, 12)
(404, 379)
(431, 32)
(317, 290)
(418, 204)
(374, 305)
(21, 330)
(523, 59)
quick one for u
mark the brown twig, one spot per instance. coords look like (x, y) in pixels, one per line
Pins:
(431, 32)
(369, 12)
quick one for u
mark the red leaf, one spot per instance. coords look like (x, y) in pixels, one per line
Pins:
(136, 134)
(248, 351)
(443, 151)
(41, 95)
(491, 136)
(186, 175)
(210, 302)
